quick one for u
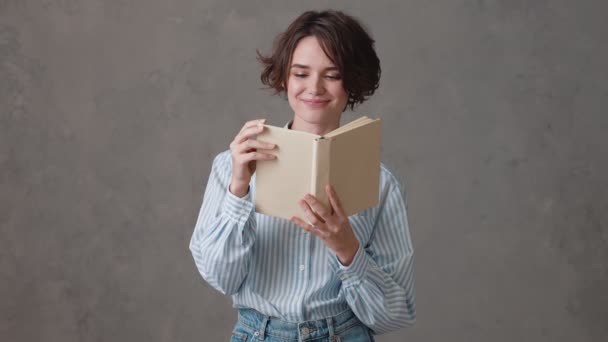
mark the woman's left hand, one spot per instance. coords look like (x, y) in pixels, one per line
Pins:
(331, 225)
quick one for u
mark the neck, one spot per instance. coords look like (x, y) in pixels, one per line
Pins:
(314, 128)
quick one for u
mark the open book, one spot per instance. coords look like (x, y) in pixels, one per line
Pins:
(348, 158)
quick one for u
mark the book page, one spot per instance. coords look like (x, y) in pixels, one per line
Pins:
(355, 166)
(282, 182)
(349, 126)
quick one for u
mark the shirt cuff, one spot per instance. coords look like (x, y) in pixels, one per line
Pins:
(354, 273)
(236, 208)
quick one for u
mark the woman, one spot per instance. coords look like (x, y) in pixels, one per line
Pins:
(323, 277)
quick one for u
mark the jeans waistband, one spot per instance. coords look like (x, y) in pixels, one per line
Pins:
(272, 326)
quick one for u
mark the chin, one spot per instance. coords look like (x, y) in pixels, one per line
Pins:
(319, 113)
(316, 116)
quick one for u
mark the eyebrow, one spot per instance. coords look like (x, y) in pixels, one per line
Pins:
(307, 67)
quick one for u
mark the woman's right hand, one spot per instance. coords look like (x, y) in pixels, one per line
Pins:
(245, 152)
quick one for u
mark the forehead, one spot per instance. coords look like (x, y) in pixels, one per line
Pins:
(310, 53)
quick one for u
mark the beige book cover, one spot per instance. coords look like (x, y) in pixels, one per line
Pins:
(348, 158)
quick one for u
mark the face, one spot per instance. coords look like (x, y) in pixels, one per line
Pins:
(314, 85)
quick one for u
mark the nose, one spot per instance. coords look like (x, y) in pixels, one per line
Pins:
(316, 86)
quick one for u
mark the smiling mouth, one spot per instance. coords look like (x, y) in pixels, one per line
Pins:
(315, 101)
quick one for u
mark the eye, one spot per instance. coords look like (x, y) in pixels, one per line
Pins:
(332, 77)
(300, 75)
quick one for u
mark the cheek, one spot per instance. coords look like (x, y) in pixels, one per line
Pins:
(339, 93)
(293, 87)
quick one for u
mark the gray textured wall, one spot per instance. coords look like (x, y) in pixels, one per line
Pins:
(111, 112)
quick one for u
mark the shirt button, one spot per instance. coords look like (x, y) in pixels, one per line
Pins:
(301, 267)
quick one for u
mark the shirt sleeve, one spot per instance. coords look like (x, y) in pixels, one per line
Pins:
(224, 232)
(379, 283)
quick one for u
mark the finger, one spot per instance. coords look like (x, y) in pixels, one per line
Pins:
(250, 129)
(254, 155)
(306, 226)
(318, 207)
(248, 133)
(335, 202)
(249, 125)
(250, 145)
(313, 218)
(252, 123)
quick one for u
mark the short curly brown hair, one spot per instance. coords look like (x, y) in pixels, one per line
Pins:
(344, 41)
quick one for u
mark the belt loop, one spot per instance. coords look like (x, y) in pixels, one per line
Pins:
(330, 327)
(263, 328)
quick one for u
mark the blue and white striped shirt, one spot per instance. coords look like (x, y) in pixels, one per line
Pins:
(273, 266)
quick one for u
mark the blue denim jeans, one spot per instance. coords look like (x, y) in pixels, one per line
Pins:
(253, 326)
